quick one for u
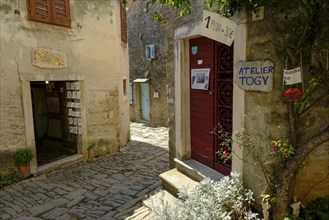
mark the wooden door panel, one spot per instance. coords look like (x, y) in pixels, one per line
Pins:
(202, 104)
(210, 107)
(201, 108)
(205, 63)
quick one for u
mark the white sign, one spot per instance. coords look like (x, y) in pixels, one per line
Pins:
(218, 28)
(200, 78)
(291, 77)
(255, 76)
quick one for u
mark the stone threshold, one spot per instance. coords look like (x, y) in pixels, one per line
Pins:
(196, 170)
(59, 164)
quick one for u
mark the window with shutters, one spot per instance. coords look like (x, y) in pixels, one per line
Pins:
(123, 15)
(50, 11)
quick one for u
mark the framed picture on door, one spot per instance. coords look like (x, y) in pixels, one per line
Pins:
(200, 79)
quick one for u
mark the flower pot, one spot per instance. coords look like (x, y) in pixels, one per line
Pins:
(91, 154)
(24, 170)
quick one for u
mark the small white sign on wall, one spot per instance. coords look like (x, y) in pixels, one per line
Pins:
(293, 76)
(218, 28)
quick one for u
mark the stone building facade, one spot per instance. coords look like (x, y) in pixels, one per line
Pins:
(157, 72)
(64, 80)
(148, 76)
(262, 114)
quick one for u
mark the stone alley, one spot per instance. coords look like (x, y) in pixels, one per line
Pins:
(110, 187)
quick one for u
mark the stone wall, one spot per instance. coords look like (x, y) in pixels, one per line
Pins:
(265, 117)
(143, 30)
(266, 113)
(96, 57)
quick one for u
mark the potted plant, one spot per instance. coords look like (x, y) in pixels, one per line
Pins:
(22, 159)
(90, 149)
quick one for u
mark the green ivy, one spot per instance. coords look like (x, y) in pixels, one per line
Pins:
(10, 179)
(225, 7)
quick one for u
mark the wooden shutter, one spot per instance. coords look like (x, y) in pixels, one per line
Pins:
(123, 15)
(39, 10)
(50, 11)
(61, 12)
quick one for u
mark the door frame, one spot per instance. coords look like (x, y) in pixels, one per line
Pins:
(28, 112)
(182, 92)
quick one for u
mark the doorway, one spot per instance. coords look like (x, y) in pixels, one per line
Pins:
(53, 139)
(210, 100)
(145, 104)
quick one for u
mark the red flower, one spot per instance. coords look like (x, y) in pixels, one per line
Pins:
(292, 94)
(274, 148)
(226, 154)
(239, 145)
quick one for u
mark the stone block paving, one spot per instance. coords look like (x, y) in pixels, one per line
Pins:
(110, 187)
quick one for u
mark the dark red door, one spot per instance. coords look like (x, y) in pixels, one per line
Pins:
(202, 103)
(213, 106)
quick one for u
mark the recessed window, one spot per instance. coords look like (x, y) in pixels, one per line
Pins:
(124, 84)
(150, 52)
(50, 11)
(123, 15)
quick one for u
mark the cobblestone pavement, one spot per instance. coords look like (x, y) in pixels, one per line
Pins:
(110, 187)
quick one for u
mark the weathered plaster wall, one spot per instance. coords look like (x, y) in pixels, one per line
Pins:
(96, 56)
(266, 114)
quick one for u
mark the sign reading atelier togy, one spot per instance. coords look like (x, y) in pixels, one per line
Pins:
(255, 76)
(218, 28)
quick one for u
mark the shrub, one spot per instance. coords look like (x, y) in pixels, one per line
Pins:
(317, 209)
(210, 200)
(23, 157)
(10, 179)
(91, 146)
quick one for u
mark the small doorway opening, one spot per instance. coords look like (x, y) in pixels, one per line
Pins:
(145, 103)
(51, 119)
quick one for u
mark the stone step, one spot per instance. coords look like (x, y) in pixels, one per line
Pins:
(161, 197)
(197, 171)
(173, 180)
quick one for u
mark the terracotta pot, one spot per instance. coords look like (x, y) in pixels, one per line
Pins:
(91, 154)
(24, 170)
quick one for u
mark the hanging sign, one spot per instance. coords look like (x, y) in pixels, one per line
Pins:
(255, 76)
(218, 28)
(292, 76)
(292, 85)
(200, 79)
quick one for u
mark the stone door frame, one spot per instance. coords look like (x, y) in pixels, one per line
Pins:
(182, 95)
(26, 79)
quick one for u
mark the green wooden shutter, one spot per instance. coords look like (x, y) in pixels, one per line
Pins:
(39, 10)
(61, 12)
